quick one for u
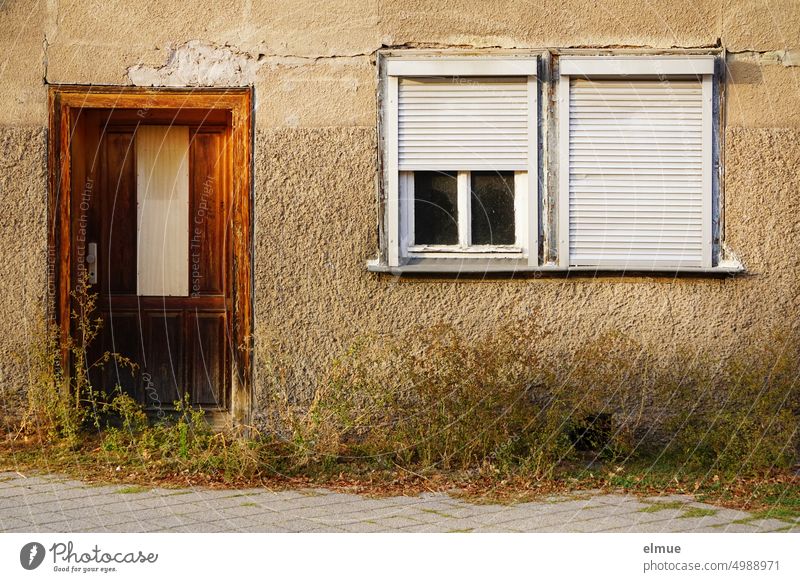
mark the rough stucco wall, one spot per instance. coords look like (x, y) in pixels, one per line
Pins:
(312, 65)
(23, 258)
(22, 64)
(567, 23)
(766, 25)
(23, 235)
(762, 92)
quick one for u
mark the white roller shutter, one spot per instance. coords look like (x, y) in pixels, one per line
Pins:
(637, 172)
(457, 123)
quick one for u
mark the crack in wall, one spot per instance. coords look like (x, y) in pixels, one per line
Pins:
(45, 48)
(50, 31)
(202, 63)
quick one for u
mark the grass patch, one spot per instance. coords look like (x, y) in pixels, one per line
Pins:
(132, 489)
(788, 514)
(773, 497)
(249, 504)
(661, 506)
(466, 530)
(437, 512)
(691, 512)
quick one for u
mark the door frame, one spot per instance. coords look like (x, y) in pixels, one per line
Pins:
(64, 101)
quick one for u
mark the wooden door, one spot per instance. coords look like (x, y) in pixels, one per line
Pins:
(162, 271)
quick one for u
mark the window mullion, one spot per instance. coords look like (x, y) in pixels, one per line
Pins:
(707, 260)
(464, 217)
(406, 184)
(522, 203)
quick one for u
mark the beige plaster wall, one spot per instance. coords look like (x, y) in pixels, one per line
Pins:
(313, 68)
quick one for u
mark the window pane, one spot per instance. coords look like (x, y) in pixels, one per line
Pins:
(493, 208)
(435, 208)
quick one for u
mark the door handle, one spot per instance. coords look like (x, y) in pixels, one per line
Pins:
(91, 260)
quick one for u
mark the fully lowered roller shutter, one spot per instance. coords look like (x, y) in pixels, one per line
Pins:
(457, 123)
(636, 172)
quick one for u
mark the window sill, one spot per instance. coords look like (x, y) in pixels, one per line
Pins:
(496, 266)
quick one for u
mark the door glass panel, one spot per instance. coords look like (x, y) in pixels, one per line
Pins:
(162, 200)
(435, 208)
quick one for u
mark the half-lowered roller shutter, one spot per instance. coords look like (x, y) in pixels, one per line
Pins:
(457, 123)
(636, 172)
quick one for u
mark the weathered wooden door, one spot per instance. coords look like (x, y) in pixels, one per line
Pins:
(151, 229)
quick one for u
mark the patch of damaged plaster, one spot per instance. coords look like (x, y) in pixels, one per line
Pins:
(199, 64)
(787, 58)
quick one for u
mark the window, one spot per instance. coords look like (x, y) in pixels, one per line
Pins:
(463, 212)
(636, 167)
(628, 177)
(460, 159)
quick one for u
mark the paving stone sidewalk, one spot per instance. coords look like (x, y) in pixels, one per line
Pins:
(54, 504)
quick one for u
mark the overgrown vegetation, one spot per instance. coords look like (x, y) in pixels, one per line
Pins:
(497, 405)
(437, 406)
(68, 415)
(743, 417)
(446, 404)
(61, 405)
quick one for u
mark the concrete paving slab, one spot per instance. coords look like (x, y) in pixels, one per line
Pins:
(51, 503)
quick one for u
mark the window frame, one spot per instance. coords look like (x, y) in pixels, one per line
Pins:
(397, 185)
(547, 251)
(639, 67)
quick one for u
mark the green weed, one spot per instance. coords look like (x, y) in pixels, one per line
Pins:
(132, 489)
(661, 506)
(691, 512)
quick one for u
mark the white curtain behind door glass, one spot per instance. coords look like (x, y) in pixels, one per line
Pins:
(162, 194)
